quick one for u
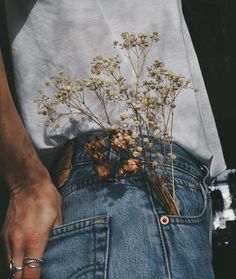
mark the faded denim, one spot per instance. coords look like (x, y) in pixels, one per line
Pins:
(112, 228)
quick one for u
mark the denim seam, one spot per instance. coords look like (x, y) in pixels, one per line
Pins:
(85, 269)
(107, 248)
(167, 266)
(104, 252)
(95, 252)
(93, 180)
(185, 171)
(180, 183)
(75, 186)
(97, 221)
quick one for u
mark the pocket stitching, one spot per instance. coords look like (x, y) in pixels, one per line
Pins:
(191, 219)
(96, 221)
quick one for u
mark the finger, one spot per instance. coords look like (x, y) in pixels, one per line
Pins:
(36, 245)
(17, 253)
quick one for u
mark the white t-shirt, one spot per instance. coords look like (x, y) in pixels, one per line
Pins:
(47, 36)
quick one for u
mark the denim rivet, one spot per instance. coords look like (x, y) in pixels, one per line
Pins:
(164, 220)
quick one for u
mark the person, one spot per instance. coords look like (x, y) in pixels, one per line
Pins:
(93, 228)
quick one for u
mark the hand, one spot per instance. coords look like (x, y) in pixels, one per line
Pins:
(31, 214)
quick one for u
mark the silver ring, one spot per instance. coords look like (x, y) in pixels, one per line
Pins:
(32, 262)
(13, 268)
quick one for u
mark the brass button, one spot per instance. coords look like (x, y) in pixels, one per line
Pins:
(164, 220)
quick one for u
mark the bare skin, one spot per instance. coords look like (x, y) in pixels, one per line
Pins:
(35, 204)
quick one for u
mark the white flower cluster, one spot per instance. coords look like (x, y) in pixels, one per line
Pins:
(141, 40)
(105, 64)
(150, 103)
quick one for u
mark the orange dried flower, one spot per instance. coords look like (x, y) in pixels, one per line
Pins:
(131, 166)
(103, 170)
(95, 148)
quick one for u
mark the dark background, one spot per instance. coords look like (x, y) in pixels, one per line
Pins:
(212, 25)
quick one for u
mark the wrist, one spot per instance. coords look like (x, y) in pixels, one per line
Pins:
(27, 176)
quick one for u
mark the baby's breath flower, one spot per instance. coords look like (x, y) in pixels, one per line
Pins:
(124, 124)
(134, 135)
(149, 145)
(172, 156)
(159, 155)
(56, 126)
(151, 123)
(115, 43)
(46, 123)
(139, 149)
(79, 87)
(138, 106)
(124, 116)
(40, 90)
(114, 127)
(154, 163)
(145, 120)
(132, 142)
(154, 36)
(136, 154)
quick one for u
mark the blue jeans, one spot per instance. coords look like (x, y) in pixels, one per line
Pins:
(117, 228)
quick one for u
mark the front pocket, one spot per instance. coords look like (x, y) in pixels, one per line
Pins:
(192, 198)
(192, 204)
(78, 250)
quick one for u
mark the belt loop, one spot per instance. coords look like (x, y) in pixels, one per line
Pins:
(207, 180)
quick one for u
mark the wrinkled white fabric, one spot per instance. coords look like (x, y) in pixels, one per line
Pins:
(47, 36)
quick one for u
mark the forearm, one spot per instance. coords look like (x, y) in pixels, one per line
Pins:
(19, 163)
(35, 204)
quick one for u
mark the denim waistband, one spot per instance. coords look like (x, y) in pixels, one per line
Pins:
(183, 161)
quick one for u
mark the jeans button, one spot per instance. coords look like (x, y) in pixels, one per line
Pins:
(164, 220)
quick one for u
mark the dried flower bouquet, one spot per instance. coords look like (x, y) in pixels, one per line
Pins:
(147, 116)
